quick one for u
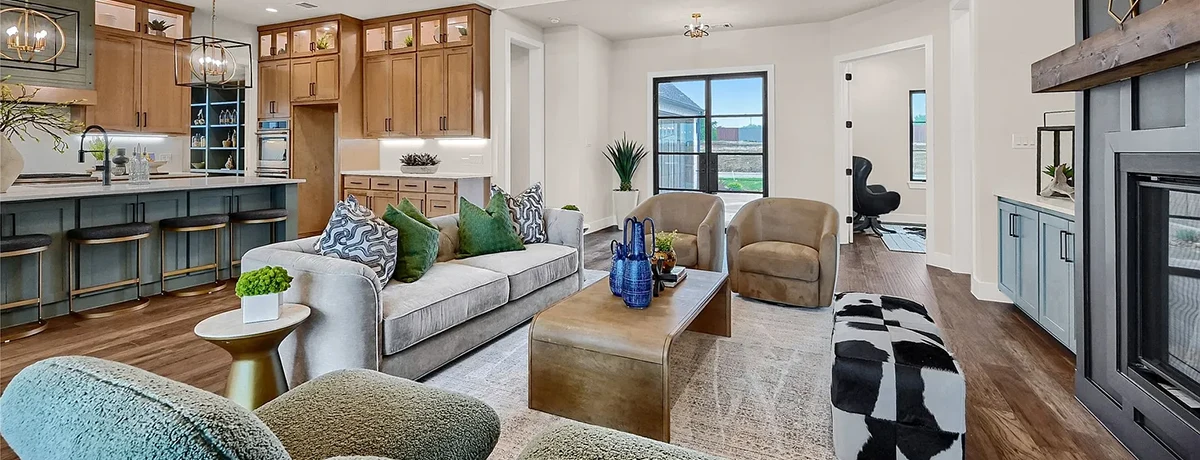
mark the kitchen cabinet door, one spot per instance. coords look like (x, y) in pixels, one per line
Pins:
(459, 29)
(164, 105)
(302, 41)
(325, 38)
(1057, 278)
(417, 199)
(431, 92)
(401, 36)
(1028, 250)
(377, 87)
(302, 75)
(375, 39)
(118, 16)
(118, 82)
(403, 85)
(325, 78)
(381, 200)
(460, 93)
(430, 30)
(281, 91)
(1008, 281)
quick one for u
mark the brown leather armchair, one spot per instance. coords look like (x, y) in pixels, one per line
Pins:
(700, 220)
(784, 250)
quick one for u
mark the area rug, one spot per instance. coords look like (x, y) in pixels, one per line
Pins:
(908, 238)
(761, 394)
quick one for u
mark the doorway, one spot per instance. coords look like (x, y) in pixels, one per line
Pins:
(522, 159)
(710, 136)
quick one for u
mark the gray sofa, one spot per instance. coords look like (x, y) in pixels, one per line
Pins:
(411, 329)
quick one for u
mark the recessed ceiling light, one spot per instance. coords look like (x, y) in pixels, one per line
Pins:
(272, 10)
(554, 20)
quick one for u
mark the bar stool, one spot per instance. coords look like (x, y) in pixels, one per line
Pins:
(106, 234)
(23, 245)
(260, 216)
(202, 223)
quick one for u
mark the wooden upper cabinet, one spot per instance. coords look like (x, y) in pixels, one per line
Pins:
(164, 105)
(377, 84)
(134, 17)
(458, 28)
(390, 109)
(303, 74)
(403, 95)
(460, 93)
(389, 37)
(431, 92)
(314, 39)
(430, 30)
(315, 79)
(118, 105)
(273, 44)
(274, 89)
(119, 15)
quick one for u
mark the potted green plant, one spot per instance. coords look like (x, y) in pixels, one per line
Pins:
(625, 156)
(664, 248)
(324, 41)
(18, 115)
(1068, 171)
(259, 291)
(159, 27)
(408, 41)
(95, 148)
(571, 207)
(419, 163)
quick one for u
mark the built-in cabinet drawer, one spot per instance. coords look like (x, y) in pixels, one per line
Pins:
(445, 186)
(412, 185)
(385, 183)
(358, 182)
(1036, 266)
(434, 197)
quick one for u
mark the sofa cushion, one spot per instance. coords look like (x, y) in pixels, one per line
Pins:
(537, 266)
(418, 247)
(526, 209)
(355, 234)
(781, 260)
(446, 296)
(486, 231)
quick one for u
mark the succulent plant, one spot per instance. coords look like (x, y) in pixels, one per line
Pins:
(1067, 171)
(419, 159)
(266, 280)
(159, 24)
(625, 156)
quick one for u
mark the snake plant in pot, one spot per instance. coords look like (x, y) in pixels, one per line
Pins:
(625, 156)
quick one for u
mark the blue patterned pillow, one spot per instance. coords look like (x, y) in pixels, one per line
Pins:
(354, 233)
(527, 214)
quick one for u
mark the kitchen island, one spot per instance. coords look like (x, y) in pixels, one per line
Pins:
(55, 209)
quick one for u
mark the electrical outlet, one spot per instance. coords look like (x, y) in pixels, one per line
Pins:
(1023, 142)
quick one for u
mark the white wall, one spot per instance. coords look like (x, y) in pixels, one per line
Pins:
(520, 121)
(879, 96)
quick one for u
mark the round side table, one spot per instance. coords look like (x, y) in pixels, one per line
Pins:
(257, 374)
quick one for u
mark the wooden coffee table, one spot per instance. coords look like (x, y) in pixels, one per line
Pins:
(594, 360)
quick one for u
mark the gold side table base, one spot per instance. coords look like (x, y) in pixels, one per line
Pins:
(203, 289)
(10, 334)
(106, 311)
(256, 375)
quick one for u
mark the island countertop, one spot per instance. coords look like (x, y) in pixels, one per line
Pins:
(397, 173)
(18, 193)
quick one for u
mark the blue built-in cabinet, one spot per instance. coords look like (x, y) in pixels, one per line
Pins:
(1036, 271)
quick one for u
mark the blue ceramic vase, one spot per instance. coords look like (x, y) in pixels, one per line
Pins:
(616, 276)
(637, 287)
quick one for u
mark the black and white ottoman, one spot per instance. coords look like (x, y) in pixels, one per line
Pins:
(897, 391)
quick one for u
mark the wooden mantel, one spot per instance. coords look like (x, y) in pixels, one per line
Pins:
(1164, 37)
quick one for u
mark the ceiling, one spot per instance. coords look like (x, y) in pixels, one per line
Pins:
(628, 19)
(254, 12)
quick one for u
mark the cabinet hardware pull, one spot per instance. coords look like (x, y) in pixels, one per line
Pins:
(145, 119)
(1012, 225)
(1069, 240)
(1062, 245)
(137, 27)
(312, 46)
(138, 117)
(312, 89)
(272, 52)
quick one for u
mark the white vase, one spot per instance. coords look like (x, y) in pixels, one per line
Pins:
(11, 164)
(260, 308)
(623, 204)
(418, 169)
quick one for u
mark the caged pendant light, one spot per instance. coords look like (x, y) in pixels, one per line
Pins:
(38, 37)
(206, 61)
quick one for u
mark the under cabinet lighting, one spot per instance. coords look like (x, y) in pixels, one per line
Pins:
(146, 138)
(408, 142)
(465, 142)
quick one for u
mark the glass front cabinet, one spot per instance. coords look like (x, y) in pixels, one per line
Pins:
(273, 44)
(154, 20)
(445, 30)
(389, 37)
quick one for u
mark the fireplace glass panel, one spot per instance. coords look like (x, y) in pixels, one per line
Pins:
(1183, 285)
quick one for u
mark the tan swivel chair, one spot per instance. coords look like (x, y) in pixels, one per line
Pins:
(698, 217)
(784, 250)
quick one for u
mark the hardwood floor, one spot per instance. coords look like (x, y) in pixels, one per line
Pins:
(1020, 394)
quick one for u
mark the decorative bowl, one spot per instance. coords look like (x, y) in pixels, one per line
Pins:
(418, 169)
(199, 165)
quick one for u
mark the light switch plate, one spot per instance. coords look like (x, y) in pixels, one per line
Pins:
(1023, 142)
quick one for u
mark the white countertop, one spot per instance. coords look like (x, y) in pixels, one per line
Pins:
(396, 173)
(54, 191)
(1059, 205)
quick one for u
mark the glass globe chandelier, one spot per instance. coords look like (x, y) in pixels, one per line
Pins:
(696, 29)
(207, 61)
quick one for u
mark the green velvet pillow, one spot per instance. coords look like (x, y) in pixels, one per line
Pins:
(486, 231)
(418, 247)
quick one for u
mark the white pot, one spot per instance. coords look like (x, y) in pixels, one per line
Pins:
(623, 204)
(260, 308)
(11, 164)
(418, 169)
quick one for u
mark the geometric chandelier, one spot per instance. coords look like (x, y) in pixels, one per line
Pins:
(34, 36)
(206, 61)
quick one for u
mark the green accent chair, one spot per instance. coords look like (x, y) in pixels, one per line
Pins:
(577, 441)
(81, 407)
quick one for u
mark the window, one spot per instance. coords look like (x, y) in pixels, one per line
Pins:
(916, 136)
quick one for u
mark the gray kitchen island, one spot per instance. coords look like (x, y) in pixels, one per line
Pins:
(55, 209)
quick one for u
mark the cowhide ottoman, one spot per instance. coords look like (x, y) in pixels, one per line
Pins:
(897, 391)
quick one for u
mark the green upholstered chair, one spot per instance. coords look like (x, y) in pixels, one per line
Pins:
(81, 408)
(577, 441)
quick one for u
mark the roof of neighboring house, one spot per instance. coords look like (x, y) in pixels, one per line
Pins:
(673, 103)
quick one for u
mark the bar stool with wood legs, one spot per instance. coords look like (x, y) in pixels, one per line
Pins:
(214, 222)
(259, 216)
(23, 245)
(106, 234)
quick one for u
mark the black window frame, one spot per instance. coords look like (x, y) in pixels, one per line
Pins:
(911, 139)
(711, 184)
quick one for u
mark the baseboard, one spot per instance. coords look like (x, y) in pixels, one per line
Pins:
(987, 291)
(939, 260)
(894, 218)
(601, 224)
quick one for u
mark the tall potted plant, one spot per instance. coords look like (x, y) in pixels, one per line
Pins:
(625, 156)
(18, 115)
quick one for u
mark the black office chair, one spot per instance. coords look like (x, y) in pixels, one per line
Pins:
(871, 201)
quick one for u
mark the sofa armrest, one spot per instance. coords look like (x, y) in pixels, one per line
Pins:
(367, 413)
(828, 259)
(577, 441)
(565, 227)
(741, 232)
(710, 238)
(344, 328)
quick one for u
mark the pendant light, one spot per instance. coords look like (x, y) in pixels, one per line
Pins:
(34, 39)
(206, 61)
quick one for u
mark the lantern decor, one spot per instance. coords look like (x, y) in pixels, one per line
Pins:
(207, 61)
(39, 37)
(1055, 149)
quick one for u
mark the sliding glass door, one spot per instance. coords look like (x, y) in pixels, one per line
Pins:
(711, 135)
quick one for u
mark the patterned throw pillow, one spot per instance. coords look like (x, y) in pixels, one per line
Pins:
(526, 210)
(354, 233)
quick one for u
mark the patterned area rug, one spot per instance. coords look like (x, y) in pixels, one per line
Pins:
(761, 394)
(908, 238)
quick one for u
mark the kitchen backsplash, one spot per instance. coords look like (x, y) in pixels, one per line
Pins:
(40, 157)
(457, 155)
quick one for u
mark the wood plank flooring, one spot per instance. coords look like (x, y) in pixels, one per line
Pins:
(1019, 381)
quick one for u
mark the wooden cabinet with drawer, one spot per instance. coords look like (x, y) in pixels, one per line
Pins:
(433, 196)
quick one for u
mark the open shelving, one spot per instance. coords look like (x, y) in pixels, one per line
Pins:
(212, 153)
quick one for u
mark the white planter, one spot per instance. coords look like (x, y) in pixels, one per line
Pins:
(418, 169)
(624, 203)
(260, 308)
(11, 164)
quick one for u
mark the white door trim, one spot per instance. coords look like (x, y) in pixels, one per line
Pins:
(537, 110)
